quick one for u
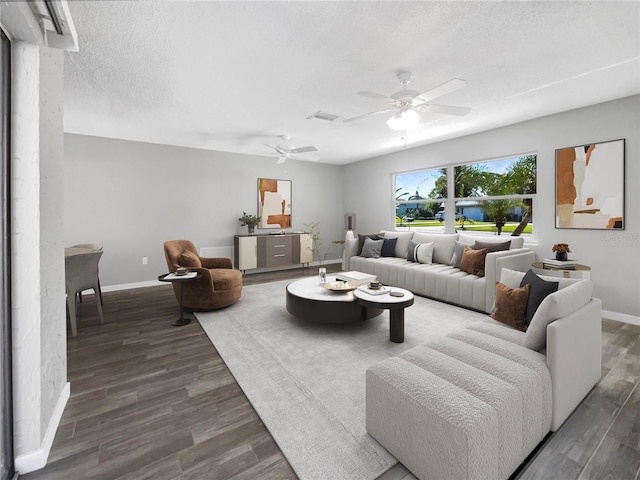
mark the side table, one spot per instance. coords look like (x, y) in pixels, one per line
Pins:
(581, 271)
(395, 305)
(180, 279)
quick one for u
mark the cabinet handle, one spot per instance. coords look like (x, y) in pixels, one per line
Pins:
(279, 246)
(281, 255)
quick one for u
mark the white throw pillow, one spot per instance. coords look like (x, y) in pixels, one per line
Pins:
(443, 245)
(424, 252)
(511, 278)
(402, 245)
(557, 305)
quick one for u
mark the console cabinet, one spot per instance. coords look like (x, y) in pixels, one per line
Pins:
(271, 251)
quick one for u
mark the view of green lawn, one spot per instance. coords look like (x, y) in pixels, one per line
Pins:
(471, 227)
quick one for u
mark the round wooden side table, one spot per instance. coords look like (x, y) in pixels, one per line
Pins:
(180, 279)
(581, 271)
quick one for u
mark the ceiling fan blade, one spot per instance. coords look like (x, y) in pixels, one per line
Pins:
(443, 89)
(364, 115)
(279, 150)
(376, 96)
(310, 148)
(446, 109)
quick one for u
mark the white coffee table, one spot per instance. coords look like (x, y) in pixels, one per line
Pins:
(395, 305)
(308, 300)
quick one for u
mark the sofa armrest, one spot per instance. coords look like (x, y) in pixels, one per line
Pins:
(350, 250)
(574, 354)
(519, 259)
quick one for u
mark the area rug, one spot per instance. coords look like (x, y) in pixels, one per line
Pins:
(307, 380)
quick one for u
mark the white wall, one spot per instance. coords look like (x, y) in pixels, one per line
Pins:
(40, 389)
(614, 256)
(133, 196)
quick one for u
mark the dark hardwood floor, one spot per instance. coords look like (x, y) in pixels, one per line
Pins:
(153, 401)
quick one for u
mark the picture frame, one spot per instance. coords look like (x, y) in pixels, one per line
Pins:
(590, 186)
(274, 203)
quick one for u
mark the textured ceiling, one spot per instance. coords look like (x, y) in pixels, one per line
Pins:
(231, 76)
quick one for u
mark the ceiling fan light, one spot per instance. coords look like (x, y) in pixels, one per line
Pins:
(404, 120)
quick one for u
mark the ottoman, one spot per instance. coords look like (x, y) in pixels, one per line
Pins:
(471, 405)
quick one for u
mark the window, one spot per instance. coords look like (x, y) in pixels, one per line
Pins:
(418, 197)
(491, 197)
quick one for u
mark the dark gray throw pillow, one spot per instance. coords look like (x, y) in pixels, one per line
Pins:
(389, 247)
(537, 292)
(492, 246)
(372, 248)
(457, 254)
(411, 251)
(373, 236)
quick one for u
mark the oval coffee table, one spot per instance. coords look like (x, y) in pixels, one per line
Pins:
(395, 305)
(308, 300)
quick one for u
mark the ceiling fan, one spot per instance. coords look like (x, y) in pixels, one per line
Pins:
(408, 104)
(285, 150)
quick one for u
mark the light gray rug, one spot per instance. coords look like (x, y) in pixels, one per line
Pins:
(307, 380)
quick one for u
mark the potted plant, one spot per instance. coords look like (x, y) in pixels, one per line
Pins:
(250, 221)
(561, 250)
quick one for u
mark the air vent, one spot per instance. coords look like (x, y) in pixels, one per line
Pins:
(320, 115)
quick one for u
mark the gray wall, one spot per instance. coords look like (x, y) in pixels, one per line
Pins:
(613, 256)
(133, 196)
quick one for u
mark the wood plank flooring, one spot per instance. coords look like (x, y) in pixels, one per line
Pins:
(153, 401)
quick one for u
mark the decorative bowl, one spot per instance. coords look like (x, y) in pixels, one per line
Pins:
(341, 286)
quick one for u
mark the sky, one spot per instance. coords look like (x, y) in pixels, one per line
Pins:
(423, 181)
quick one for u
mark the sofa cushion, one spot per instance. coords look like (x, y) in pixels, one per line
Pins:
(189, 259)
(443, 245)
(372, 248)
(389, 247)
(473, 261)
(361, 238)
(424, 253)
(539, 290)
(556, 305)
(402, 245)
(511, 305)
(457, 253)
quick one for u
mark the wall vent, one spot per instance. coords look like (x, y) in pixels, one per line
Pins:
(320, 115)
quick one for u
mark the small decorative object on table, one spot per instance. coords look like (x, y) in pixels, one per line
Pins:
(322, 274)
(250, 221)
(561, 250)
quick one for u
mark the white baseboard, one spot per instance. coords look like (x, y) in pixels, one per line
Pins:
(621, 317)
(37, 459)
(129, 286)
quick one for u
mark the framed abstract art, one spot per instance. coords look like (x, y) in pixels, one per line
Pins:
(590, 186)
(274, 203)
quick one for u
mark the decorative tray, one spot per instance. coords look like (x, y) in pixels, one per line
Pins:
(341, 286)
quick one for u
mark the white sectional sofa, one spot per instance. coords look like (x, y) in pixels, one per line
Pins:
(474, 404)
(440, 279)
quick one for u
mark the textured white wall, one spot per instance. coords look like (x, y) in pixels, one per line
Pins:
(25, 239)
(614, 256)
(53, 333)
(133, 196)
(40, 388)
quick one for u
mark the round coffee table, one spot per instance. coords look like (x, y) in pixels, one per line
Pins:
(395, 305)
(308, 300)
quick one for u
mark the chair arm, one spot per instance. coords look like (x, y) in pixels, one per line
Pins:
(574, 358)
(519, 259)
(216, 262)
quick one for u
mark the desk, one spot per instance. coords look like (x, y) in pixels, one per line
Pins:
(171, 277)
(581, 271)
